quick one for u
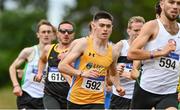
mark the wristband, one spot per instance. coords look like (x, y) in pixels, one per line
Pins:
(151, 55)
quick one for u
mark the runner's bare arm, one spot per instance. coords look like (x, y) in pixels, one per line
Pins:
(108, 80)
(74, 42)
(42, 62)
(148, 32)
(66, 76)
(22, 57)
(76, 51)
(117, 47)
(114, 75)
(135, 69)
(135, 50)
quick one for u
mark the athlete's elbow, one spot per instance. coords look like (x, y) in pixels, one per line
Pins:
(130, 55)
(11, 68)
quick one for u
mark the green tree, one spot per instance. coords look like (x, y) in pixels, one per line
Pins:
(17, 27)
(17, 30)
(122, 10)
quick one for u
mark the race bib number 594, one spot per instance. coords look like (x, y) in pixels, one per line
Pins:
(171, 62)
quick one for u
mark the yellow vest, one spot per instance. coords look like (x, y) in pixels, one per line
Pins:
(90, 90)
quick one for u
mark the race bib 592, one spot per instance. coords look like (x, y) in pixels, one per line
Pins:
(93, 84)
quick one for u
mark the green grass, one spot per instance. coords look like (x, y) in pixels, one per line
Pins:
(7, 98)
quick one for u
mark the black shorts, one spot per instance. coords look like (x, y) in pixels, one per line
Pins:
(118, 102)
(28, 102)
(85, 106)
(50, 102)
(145, 100)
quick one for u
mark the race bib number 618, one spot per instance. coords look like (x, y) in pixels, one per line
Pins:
(55, 76)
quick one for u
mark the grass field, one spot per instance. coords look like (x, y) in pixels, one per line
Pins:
(7, 99)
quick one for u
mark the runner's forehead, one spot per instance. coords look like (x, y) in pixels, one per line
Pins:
(104, 21)
(45, 27)
(66, 26)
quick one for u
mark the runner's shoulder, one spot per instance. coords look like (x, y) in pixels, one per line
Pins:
(27, 51)
(151, 23)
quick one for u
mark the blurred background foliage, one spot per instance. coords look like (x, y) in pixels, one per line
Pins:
(122, 10)
(17, 27)
(17, 30)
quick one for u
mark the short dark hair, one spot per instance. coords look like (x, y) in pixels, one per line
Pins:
(67, 22)
(158, 7)
(102, 14)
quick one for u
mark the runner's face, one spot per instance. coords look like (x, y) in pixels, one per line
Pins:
(45, 34)
(134, 30)
(65, 33)
(171, 9)
(103, 28)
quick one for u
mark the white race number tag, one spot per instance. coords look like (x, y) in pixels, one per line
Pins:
(33, 75)
(93, 84)
(171, 62)
(55, 76)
